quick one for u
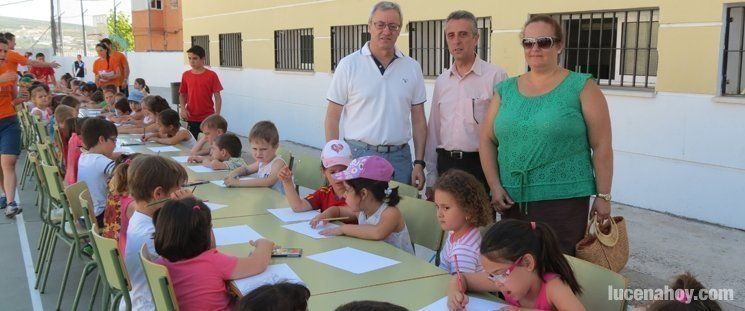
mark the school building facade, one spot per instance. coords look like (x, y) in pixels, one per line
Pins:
(672, 71)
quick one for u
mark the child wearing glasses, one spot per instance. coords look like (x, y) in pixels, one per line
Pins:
(523, 262)
(462, 207)
(99, 139)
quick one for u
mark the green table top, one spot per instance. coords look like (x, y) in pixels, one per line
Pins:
(412, 282)
(240, 201)
(413, 294)
(321, 278)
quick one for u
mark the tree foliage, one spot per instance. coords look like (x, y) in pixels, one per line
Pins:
(121, 32)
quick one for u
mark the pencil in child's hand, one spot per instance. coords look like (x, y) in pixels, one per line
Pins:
(457, 271)
(334, 218)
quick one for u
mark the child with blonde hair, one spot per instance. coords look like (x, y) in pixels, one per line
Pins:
(41, 99)
(264, 140)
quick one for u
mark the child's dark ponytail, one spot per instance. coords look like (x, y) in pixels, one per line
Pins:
(510, 239)
(391, 196)
(183, 229)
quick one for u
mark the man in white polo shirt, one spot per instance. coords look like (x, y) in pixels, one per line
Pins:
(380, 92)
(460, 100)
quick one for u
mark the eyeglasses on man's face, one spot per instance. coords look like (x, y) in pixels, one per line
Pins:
(383, 25)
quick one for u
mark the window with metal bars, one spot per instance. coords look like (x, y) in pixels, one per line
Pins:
(346, 40)
(733, 82)
(428, 46)
(156, 4)
(231, 54)
(204, 42)
(619, 48)
(293, 49)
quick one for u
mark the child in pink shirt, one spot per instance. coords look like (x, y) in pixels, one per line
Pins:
(73, 150)
(183, 238)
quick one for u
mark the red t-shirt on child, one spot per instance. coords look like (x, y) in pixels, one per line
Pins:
(324, 198)
(199, 89)
(199, 282)
(43, 74)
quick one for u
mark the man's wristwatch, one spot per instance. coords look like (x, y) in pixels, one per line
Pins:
(604, 196)
(420, 162)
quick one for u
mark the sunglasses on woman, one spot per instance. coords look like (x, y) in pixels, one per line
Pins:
(542, 42)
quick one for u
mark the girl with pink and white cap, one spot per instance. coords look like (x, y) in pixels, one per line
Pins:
(367, 192)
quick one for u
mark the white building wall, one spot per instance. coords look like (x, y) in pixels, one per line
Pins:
(678, 153)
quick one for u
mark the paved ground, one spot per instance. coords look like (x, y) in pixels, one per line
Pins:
(661, 246)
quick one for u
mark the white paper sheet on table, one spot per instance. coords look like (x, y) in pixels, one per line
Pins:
(124, 150)
(353, 260)
(272, 275)
(473, 305)
(304, 228)
(235, 235)
(202, 169)
(221, 183)
(181, 159)
(288, 215)
(164, 149)
(214, 206)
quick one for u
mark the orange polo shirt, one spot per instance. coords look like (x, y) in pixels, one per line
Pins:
(118, 61)
(7, 89)
(101, 65)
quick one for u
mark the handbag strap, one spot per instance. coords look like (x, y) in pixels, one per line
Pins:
(609, 239)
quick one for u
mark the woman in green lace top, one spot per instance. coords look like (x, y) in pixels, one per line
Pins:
(546, 143)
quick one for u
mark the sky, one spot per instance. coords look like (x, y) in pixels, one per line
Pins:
(39, 9)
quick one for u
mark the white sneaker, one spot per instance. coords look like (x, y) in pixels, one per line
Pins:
(12, 210)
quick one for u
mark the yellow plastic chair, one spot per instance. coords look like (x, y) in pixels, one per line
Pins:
(285, 155)
(58, 147)
(421, 219)
(307, 172)
(405, 189)
(595, 281)
(41, 130)
(112, 272)
(159, 281)
(70, 231)
(50, 218)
